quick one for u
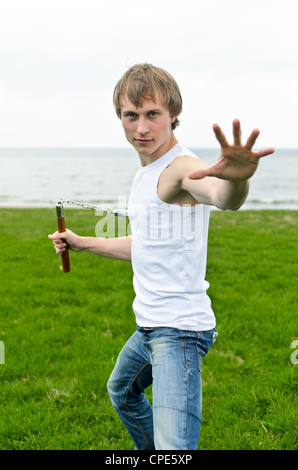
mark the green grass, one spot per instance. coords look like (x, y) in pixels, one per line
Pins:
(62, 334)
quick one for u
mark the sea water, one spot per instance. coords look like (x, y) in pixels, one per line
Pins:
(40, 177)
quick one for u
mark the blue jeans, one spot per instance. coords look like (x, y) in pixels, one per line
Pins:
(170, 360)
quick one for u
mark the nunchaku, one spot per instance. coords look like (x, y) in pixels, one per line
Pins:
(62, 228)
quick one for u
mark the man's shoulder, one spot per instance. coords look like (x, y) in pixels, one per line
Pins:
(184, 151)
(172, 177)
(184, 163)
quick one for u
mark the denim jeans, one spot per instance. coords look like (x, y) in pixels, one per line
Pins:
(170, 360)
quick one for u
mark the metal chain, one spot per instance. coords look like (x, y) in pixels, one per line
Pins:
(116, 212)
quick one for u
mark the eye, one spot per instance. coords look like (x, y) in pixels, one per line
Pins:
(153, 114)
(130, 115)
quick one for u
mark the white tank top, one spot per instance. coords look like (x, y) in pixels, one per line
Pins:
(169, 254)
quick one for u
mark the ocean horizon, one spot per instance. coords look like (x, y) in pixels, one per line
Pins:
(40, 176)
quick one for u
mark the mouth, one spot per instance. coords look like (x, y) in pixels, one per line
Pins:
(143, 141)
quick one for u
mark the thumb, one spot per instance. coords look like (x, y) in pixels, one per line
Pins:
(52, 236)
(202, 172)
(57, 235)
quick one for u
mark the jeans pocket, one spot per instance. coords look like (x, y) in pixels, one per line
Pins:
(205, 340)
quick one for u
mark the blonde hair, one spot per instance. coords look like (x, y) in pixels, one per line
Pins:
(141, 82)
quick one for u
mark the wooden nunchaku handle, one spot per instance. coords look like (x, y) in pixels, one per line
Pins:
(62, 228)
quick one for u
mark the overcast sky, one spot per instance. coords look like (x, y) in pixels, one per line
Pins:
(60, 61)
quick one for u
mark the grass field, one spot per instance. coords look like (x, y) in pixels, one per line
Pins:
(62, 334)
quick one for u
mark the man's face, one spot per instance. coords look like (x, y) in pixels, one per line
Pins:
(148, 128)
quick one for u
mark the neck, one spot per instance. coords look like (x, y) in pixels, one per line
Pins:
(147, 158)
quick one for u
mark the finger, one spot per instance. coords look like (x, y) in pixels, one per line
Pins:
(60, 251)
(60, 246)
(252, 139)
(264, 152)
(59, 243)
(52, 235)
(58, 236)
(237, 132)
(220, 136)
(202, 173)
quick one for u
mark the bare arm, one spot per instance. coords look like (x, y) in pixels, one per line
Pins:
(225, 184)
(117, 248)
(224, 194)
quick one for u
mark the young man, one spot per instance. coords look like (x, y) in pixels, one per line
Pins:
(169, 209)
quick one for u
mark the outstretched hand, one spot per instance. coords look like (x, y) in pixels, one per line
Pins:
(237, 162)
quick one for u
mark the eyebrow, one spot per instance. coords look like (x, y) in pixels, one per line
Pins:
(154, 110)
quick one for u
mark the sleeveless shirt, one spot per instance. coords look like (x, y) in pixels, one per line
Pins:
(168, 254)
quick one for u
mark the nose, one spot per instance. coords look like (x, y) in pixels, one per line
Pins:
(142, 126)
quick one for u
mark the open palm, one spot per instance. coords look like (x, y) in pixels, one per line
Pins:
(236, 162)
